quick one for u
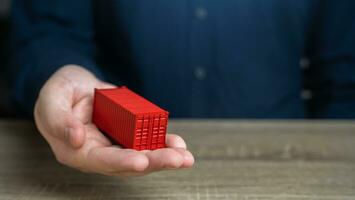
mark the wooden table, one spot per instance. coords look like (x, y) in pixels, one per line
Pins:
(234, 160)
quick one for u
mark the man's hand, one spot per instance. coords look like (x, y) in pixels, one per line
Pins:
(63, 116)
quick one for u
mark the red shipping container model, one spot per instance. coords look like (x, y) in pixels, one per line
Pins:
(129, 119)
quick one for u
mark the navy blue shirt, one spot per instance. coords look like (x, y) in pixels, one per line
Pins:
(197, 58)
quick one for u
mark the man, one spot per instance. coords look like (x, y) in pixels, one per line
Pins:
(226, 58)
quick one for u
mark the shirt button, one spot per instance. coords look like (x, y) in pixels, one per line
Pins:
(200, 73)
(201, 13)
(304, 63)
(306, 94)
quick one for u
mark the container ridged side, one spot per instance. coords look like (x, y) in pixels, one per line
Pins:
(130, 120)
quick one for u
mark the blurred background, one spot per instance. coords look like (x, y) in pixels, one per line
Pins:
(9, 109)
(6, 105)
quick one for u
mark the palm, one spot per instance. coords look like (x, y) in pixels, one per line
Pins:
(89, 150)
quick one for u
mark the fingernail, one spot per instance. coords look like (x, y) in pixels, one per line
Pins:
(183, 146)
(180, 145)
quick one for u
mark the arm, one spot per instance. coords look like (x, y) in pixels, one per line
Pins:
(331, 76)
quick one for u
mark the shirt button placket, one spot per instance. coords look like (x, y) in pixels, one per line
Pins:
(200, 57)
(201, 14)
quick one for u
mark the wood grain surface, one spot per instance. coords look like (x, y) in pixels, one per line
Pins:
(246, 160)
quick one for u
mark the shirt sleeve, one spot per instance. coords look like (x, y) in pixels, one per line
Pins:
(331, 76)
(45, 36)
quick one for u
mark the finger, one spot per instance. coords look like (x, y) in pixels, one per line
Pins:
(104, 85)
(188, 158)
(83, 107)
(175, 141)
(188, 161)
(164, 159)
(112, 160)
(75, 132)
(68, 129)
(82, 110)
(54, 118)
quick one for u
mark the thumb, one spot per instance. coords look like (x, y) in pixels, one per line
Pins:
(74, 131)
(106, 85)
(60, 124)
